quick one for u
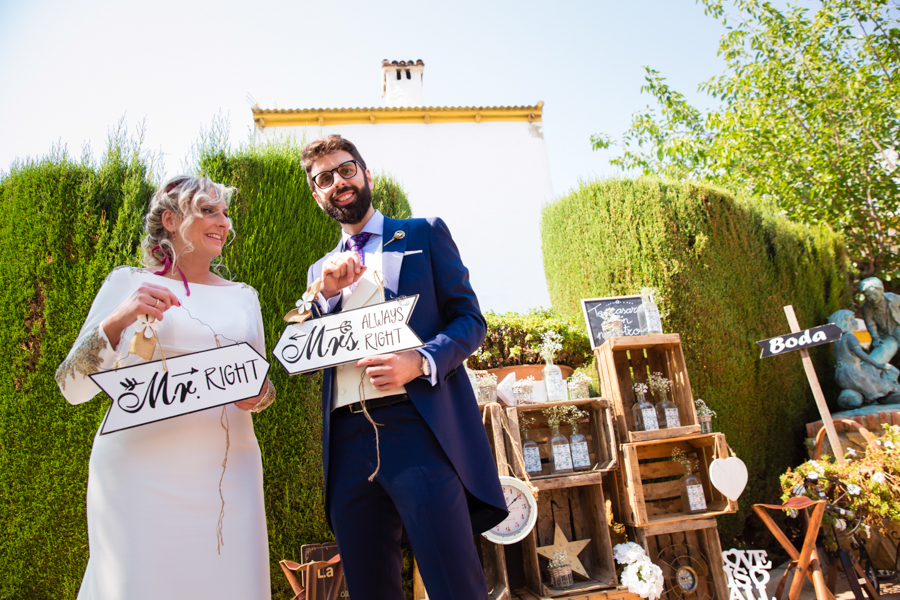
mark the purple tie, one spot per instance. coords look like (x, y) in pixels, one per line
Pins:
(356, 243)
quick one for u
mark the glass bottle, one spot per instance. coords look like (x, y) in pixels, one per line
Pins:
(561, 456)
(644, 414)
(692, 498)
(648, 316)
(532, 454)
(581, 457)
(553, 382)
(667, 412)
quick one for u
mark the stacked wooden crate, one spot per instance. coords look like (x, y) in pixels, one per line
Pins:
(574, 502)
(647, 492)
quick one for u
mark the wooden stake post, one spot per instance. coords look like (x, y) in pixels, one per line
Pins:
(817, 391)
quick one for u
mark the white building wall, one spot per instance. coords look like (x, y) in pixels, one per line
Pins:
(488, 181)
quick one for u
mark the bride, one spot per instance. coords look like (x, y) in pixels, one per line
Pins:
(156, 498)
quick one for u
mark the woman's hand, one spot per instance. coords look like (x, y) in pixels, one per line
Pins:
(251, 403)
(149, 299)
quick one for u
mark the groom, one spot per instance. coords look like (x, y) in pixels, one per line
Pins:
(434, 475)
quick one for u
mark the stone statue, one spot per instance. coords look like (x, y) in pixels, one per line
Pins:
(881, 312)
(861, 377)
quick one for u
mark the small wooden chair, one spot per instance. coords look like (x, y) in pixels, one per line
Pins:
(807, 559)
(311, 571)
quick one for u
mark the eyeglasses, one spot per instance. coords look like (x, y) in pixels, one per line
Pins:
(325, 179)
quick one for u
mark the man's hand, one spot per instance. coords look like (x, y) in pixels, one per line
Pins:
(389, 371)
(340, 271)
(876, 342)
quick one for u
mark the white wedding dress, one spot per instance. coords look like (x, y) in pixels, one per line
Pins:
(153, 502)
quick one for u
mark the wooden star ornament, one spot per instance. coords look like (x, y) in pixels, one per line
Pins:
(572, 549)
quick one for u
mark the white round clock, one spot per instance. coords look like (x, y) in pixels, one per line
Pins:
(522, 506)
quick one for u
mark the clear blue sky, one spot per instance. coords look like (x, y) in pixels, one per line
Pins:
(71, 70)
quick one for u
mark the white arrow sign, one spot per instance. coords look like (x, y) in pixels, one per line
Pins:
(347, 336)
(148, 392)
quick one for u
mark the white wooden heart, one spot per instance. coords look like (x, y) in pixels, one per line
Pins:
(729, 476)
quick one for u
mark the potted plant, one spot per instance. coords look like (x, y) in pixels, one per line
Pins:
(513, 344)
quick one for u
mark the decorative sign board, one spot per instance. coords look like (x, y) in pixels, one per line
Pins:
(347, 336)
(625, 306)
(825, 334)
(148, 392)
(746, 569)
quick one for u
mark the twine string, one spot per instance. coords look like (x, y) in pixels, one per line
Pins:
(220, 538)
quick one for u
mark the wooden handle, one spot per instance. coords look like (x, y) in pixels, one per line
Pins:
(871, 442)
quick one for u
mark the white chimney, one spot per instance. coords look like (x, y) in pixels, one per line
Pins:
(401, 83)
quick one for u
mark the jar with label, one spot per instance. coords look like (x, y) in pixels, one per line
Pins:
(667, 412)
(561, 455)
(581, 457)
(532, 455)
(693, 499)
(643, 411)
(648, 314)
(554, 383)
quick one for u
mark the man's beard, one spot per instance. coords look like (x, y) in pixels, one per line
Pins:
(352, 213)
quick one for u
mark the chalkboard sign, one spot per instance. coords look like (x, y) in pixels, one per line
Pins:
(625, 306)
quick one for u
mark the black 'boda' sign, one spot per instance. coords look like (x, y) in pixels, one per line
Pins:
(824, 334)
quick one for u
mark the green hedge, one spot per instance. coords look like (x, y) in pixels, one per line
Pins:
(63, 226)
(724, 269)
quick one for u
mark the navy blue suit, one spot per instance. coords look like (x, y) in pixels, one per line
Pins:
(428, 447)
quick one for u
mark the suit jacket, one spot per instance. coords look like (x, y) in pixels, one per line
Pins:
(449, 321)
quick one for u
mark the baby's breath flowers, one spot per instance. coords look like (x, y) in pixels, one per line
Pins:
(560, 559)
(702, 409)
(681, 458)
(551, 344)
(659, 383)
(640, 388)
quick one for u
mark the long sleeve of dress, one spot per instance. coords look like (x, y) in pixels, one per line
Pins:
(92, 351)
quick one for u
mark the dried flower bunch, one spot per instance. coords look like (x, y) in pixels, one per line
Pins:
(526, 422)
(640, 388)
(557, 415)
(659, 383)
(523, 386)
(575, 416)
(551, 344)
(640, 575)
(702, 409)
(486, 380)
(579, 377)
(560, 559)
(872, 481)
(686, 463)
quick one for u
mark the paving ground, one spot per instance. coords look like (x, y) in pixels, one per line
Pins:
(889, 590)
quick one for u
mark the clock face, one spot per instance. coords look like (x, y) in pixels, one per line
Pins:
(687, 579)
(522, 509)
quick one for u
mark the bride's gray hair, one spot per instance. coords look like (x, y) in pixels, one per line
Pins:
(186, 197)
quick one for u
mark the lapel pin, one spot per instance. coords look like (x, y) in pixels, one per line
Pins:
(398, 235)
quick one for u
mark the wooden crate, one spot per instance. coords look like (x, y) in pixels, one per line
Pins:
(690, 545)
(580, 513)
(624, 361)
(620, 593)
(493, 558)
(648, 483)
(599, 433)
